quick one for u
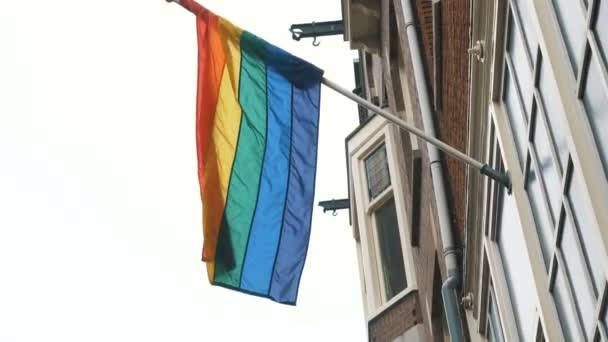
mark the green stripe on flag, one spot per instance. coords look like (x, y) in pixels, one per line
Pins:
(245, 176)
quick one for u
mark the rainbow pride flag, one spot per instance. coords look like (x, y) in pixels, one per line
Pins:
(257, 132)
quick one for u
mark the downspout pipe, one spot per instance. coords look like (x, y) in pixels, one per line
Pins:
(450, 285)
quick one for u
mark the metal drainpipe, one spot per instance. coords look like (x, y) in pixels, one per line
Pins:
(448, 289)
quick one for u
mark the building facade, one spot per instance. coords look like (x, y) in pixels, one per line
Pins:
(445, 253)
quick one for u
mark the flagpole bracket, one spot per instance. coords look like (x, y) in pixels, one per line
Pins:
(502, 178)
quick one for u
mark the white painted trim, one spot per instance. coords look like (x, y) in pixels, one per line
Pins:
(546, 306)
(376, 132)
(581, 143)
(501, 291)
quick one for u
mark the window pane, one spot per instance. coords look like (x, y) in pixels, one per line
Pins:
(573, 27)
(378, 176)
(564, 308)
(546, 164)
(576, 268)
(555, 113)
(522, 71)
(391, 254)
(596, 104)
(591, 240)
(517, 267)
(518, 125)
(601, 29)
(525, 15)
(493, 317)
(544, 225)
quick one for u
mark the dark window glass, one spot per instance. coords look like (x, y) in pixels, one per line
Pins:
(393, 269)
(378, 176)
(517, 267)
(576, 268)
(522, 71)
(555, 113)
(601, 29)
(591, 242)
(544, 226)
(595, 98)
(573, 26)
(518, 125)
(525, 15)
(546, 164)
(565, 310)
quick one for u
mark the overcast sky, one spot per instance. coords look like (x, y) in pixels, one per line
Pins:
(100, 216)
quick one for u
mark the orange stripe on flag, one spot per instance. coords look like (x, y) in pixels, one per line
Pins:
(211, 61)
(222, 138)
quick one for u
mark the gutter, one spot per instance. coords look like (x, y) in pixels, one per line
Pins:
(451, 284)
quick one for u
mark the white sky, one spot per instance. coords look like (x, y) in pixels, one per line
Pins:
(100, 232)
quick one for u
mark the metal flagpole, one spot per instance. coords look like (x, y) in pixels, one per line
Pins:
(484, 169)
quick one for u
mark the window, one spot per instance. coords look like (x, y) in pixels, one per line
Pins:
(571, 17)
(562, 215)
(389, 244)
(516, 265)
(507, 280)
(386, 240)
(377, 171)
(583, 30)
(493, 326)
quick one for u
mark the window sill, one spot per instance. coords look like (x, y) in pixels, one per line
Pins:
(377, 312)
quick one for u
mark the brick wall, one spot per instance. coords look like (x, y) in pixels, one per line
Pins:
(396, 320)
(425, 253)
(452, 119)
(451, 126)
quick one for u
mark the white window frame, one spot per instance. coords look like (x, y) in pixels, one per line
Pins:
(376, 132)
(582, 156)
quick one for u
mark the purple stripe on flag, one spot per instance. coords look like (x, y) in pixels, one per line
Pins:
(295, 233)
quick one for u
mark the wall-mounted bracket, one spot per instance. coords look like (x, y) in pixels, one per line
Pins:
(335, 205)
(315, 30)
